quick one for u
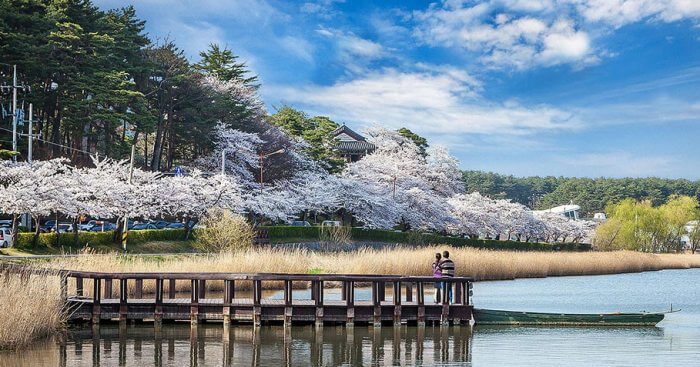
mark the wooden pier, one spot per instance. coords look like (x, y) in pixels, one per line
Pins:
(394, 299)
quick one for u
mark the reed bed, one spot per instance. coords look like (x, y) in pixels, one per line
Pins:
(32, 308)
(477, 263)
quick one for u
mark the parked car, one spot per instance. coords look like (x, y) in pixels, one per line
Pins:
(87, 226)
(6, 223)
(161, 224)
(141, 226)
(175, 225)
(5, 237)
(102, 226)
(330, 223)
(300, 223)
(48, 226)
(65, 227)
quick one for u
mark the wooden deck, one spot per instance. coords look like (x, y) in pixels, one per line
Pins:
(406, 305)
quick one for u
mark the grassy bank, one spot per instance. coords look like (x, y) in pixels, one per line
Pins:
(32, 309)
(477, 263)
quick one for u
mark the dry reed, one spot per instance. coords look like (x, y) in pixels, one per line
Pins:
(32, 308)
(479, 264)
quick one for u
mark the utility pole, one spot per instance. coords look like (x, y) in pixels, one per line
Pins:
(223, 162)
(14, 111)
(31, 137)
(262, 157)
(125, 229)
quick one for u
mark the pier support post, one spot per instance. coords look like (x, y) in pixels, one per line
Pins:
(194, 303)
(319, 303)
(350, 303)
(96, 298)
(397, 303)
(228, 298)
(420, 295)
(376, 302)
(158, 312)
(123, 307)
(257, 302)
(288, 303)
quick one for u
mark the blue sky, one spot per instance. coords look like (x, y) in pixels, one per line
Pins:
(525, 87)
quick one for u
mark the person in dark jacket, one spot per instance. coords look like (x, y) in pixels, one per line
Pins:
(447, 270)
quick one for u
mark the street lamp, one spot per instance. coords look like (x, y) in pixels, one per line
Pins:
(263, 156)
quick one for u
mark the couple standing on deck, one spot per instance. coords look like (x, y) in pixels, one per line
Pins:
(443, 267)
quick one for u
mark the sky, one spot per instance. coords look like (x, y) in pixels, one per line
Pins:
(584, 88)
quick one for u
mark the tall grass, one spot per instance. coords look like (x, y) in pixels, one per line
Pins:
(476, 263)
(31, 308)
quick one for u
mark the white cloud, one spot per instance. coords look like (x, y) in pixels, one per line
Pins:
(299, 47)
(354, 52)
(621, 12)
(431, 103)
(528, 33)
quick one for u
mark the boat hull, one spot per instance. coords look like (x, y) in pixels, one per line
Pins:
(502, 317)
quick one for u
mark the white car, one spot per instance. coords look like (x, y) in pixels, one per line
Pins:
(5, 237)
(330, 223)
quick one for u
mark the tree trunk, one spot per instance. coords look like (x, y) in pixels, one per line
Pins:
(14, 234)
(76, 238)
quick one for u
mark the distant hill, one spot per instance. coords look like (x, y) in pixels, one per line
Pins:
(592, 194)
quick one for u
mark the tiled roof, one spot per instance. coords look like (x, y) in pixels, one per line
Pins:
(348, 131)
(354, 146)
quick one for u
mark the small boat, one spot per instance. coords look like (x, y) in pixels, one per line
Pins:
(501, 317)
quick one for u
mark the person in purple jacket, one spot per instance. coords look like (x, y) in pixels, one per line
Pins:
(437, 273)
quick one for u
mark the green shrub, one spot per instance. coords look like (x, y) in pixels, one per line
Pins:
(95, 239)
(290, 233)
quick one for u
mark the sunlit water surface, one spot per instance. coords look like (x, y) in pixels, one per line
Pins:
(675, 342)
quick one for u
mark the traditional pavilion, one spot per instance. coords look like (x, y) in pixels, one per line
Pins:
(351, 145)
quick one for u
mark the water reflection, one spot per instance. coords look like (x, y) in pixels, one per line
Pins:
(210, 345)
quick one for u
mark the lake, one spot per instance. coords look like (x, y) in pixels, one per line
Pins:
(675, 342)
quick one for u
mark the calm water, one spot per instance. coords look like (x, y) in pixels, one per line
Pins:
(675, 342)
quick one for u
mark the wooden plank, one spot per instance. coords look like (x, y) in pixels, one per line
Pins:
(409, 292)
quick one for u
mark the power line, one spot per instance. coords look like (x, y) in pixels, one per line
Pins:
(56, 144)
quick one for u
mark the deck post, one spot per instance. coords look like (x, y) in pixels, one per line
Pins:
(138, 293)
(194, 302)
(458, 293)
(444, 316)
(64, 288)
(79, 286)
(397, 303)
(108, 288)
(420, 294)
(96, 294)
(349, 303)
(123, 307)
(409, 292)
(226, 311)
(344, 291)
(288, 303)
(257, 302)
(202, 289)
(376, 302)
(158, 314)
(171, 289)
(382, 291)
(319, 303)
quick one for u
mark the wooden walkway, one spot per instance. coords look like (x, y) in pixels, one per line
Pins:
(102, 297)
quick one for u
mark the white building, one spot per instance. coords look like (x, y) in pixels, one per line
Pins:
(570, 211)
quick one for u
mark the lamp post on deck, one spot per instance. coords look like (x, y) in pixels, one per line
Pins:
(262, 157)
